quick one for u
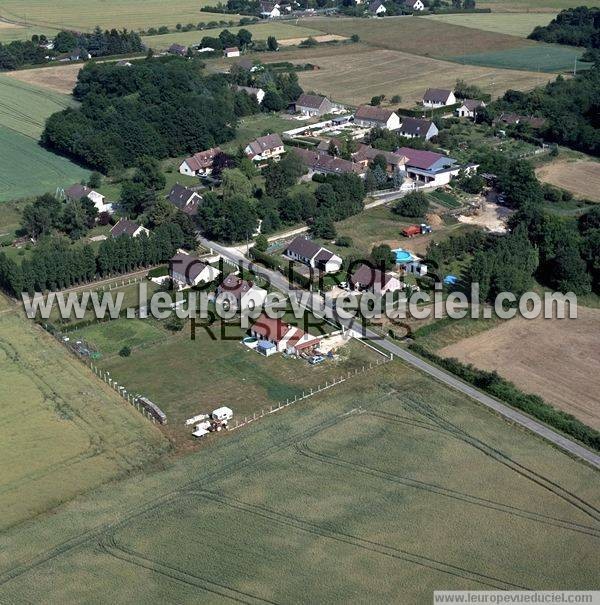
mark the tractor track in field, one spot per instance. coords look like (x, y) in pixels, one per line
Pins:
(288, 520)
(110, 546)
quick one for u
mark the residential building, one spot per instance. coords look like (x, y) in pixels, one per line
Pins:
(248, 65)
(377, 8)
(430, 168)
(418, 128)
(366, 154)
(285, 337)
(187, 271)
(78, 192)
(438, 97)
(369, 117)
(511, 119)
(469, 108)
(373, 280)
(232, 51)
(265, 148)
(126, 227)
(184, 199)
(323, 163)
(313, 255)
(258, 93)
(200, 164)
(247, 294)
(177, 49)
(414, 5)
(325, 144)
(313, 105)
(270, 10)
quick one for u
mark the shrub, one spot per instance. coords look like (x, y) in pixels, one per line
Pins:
(125, 352)
(415, 204)
(344, 241)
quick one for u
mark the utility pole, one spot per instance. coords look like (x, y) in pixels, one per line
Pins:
(575, 67)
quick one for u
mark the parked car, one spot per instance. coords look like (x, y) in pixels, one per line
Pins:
(316, 359)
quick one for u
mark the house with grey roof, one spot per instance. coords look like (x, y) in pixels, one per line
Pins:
(313, 105)
(309, 253)
(187, 271)
(438, 97)
(430, 168)
(257, 93)
(184, 199)
(178, 49)
(469, 108)
(77, 192)
(370, 279)
(365, 154)
(413, 5)
(323, 163)
(370, 116)
(377, 7)
(126, 227)
(265, 148)
(418, 128)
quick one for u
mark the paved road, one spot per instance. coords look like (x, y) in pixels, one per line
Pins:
(315, 302)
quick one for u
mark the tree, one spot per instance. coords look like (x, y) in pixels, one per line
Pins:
(323, 227)
(95, 180)
(160, 212)
(272, 44)
(235, 183)
(280, 176)
(134, 198)
(149, 173)
(415, 204)
(273, 101)
(261, 243)
(568, 271)
(65, 41)
(396, 99)
(40, 217)
(383, 256)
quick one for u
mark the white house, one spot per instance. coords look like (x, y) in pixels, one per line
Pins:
(247, 294)
(127, 227)
(377, 8)
(184, 199)
(430, 168)
(78, 192)
(313, 105)
(414, 5)
(200, 164)
(469, 108)
(232, 51)
(187, 271)
(418, 128)
(313, 255)
(270, 10)
(369, 117)
(438, 97)
(285, 337)
(258, 93)
(367, 278)
(265, 148)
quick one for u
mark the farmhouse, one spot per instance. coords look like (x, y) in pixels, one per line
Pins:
(367, 278)
(313, 255)
(414, 5)
(127, 227)
(313, 105)
(322, 163)
(511, 119)
(366, 154)
(269, 10)
(247, 65)
(418, 128)
(232, 51)
(438, 97)
(377, 8)
(178, 49)
(284, 337)
(246, 294)
(430, 168)
(184, 199)
(469, 108)
(77, 192)
(200, 164)
(369, 117)
(257, 93)
(187, 271)
(265, 148)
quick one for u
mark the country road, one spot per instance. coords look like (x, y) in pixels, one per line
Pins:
(507, 412)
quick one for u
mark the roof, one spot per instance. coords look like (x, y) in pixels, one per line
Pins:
(232, 49)
(373, 6)
(325, 143)
(124, 227)
(202, 159)
(436, 95)
(368, 153)
(322, 162)
(303, 246)
(472, 104)
(177, 48)
(180, 196)
(513, 118)
(270, 327)
(418, 158)
(266, 143)
(416, 127)
(246, 64)
(368, 276)
(76, 192)
(235, 285)
(376, 114)
(312, 101)
(188, 265)
(253, 92)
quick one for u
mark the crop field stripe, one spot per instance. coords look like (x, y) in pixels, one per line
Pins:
(389, 551)
(502, 458)
(305, 450)
(111, 547)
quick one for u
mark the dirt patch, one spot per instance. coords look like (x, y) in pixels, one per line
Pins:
(6, 25)
(556, 359)
(492, 217)
(435, 220)
(61, 78)
(323, 38)
(581, 178)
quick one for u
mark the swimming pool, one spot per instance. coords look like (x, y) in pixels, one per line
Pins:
(402, 256)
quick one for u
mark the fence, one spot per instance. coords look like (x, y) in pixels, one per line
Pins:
(237, 424)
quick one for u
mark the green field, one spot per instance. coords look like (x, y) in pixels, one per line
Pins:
(533, 6)
(423, 490)
(250, 127)
(515, 24)
(62, 431)
(23, 112)
(261, 31)
(542, 57)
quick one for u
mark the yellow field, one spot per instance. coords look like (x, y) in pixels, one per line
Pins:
(515, 24)
(581, 178)
(352, 75)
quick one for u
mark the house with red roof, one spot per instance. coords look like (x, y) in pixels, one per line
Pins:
(199, 164)
(283, 336)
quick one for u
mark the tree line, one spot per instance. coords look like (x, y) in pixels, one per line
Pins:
(573, 26)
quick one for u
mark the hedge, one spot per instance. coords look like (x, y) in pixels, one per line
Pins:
(535, 406)
(428, 111)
